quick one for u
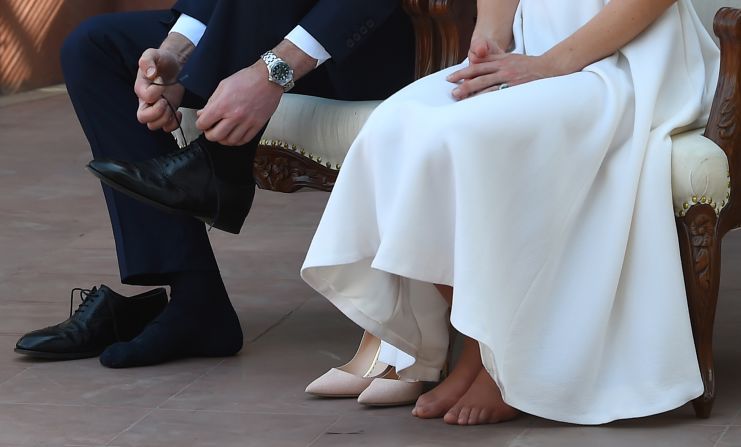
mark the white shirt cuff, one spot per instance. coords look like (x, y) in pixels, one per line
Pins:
(189, 27)
(306, 43)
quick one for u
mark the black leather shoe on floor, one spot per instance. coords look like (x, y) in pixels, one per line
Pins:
(182, 182)
(103, 318)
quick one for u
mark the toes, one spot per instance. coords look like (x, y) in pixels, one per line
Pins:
(463, 416)
(424, 397)
(473, 417)
(486, 416)
(451, 417)
(419, 405)
(427, 407)
(426, 412)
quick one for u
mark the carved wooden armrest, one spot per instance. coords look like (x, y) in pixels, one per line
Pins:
(442, 29)
(725, 115)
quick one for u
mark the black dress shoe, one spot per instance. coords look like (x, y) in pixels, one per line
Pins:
(103, 318)
(181, 182)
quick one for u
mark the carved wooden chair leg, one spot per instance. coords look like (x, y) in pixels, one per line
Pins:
(699, 243)
(277, 168)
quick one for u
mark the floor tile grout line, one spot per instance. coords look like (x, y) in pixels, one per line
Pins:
(267, 413)
(132, 425)
(524, 431)
(180, 410)
(152, 410)
(722, 435)
(279, 322)
(188, 385)
(324, 431)
(26, 368)
(51, 404)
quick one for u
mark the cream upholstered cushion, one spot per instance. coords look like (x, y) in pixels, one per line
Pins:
(699, 172)
(699, 166)
(322, 129)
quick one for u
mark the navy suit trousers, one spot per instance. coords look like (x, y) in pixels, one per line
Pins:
(99, 60)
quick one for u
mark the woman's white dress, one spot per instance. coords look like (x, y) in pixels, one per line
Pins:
(547, 206)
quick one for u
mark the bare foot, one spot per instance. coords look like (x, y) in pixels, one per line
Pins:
(436, 402)
(481, 404)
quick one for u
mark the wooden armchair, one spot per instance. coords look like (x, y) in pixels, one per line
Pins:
(702, 226)
(705, 169)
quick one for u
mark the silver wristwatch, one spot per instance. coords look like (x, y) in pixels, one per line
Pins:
(278, 70)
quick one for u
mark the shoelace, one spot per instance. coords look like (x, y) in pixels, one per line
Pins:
(85, 296)
(172, 109)
(187, 143)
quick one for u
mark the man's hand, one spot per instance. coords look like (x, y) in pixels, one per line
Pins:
(161, 66)
(241, 105)
(244, 102)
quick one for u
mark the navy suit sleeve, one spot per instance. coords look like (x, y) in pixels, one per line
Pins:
(198, 9)
(342, 25)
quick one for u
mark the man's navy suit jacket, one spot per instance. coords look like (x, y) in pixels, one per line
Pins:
(371, 42)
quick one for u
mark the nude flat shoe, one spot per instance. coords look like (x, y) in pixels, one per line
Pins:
(390, 392)
(352, 378)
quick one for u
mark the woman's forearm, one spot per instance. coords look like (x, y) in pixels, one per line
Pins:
(494, 20)
(619, 22)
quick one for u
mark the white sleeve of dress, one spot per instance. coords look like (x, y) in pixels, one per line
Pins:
(306, 43)
(189, 27)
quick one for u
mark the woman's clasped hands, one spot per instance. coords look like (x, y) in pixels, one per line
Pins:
(491, 68)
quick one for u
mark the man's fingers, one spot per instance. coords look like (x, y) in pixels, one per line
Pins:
(173, 123)
(207, 117)
(150, 113)
(170, 126)
(162, 120)
(142, 112)
(145, 90)
(250, 134)
(238, 135)
(148, 63)
(220, 131)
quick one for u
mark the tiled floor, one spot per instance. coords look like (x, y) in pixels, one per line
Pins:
(55, 235)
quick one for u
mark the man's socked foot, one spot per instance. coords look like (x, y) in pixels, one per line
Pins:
(178, 334)
(481, 404)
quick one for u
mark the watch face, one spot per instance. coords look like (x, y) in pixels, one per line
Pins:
(281, 72)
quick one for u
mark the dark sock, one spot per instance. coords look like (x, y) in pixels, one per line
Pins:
(199, 321)
(232, 165)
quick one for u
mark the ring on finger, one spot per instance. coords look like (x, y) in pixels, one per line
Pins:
(503, 85)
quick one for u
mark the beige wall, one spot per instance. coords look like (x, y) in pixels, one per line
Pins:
(32, 31)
